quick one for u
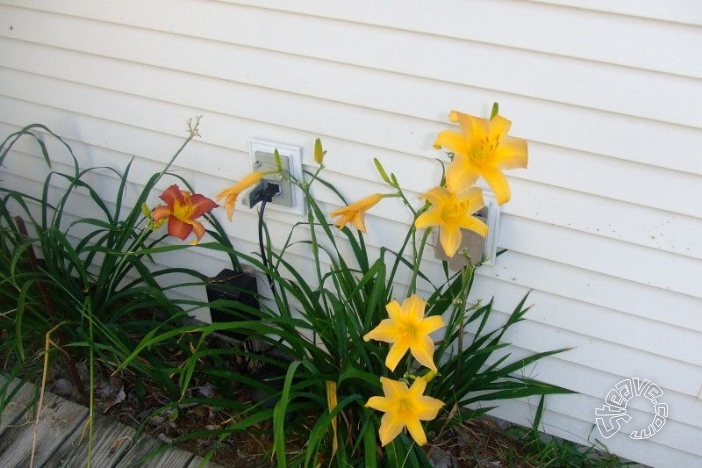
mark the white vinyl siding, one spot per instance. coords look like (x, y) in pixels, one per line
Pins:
(604, 227)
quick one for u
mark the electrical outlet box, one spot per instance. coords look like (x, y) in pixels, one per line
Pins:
(475, 245)
(289, 197)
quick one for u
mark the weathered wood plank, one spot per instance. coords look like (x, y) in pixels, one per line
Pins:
(111, 441)
(18, 402)
(58, 419)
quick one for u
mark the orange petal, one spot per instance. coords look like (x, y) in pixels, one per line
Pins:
(199, 231)
(162, 212)
(171, 195)
(201, 205)
(178, 228)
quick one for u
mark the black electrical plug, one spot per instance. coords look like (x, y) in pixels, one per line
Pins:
(265, 190)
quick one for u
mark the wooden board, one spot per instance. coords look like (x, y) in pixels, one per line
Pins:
(14, 409)
(58, 419)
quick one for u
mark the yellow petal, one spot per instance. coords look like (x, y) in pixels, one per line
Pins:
(390, 427)
(417, 388)
(427, 219)
(394, 310)
(451, 141)
(499, 127)
(414, 307)
(380, 403)
(355, 212)
(396, 352)
(427, 408)
(450, 239)
(385, 331)
(433, 323)
(474, 129)
(416, 431)
(499, 185)
(460, 175)
(512, 153)
(423, 352)
(475, 225)
(393, 388)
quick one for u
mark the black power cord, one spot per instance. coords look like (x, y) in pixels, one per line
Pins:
(263, 193)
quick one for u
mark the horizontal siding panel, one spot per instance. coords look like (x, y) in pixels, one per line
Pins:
(608, 217)
(558, 313)
(523, 25)
(614, 258)
(610, 135)
(679, 11)
(629, 91)
(609, 292)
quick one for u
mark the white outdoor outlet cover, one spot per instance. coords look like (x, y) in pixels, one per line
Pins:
(261, 153)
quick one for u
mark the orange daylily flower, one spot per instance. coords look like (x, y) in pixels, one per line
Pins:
(404, 407)
(181, 210)
(483, 149)
(355, 212)
(407, 329)
(452, 211)
(233, 192)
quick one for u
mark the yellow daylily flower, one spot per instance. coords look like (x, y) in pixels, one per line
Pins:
(404, 407)
(452, 211)
(407, 329)
(234, 191)
(483, 149)
(355, 212)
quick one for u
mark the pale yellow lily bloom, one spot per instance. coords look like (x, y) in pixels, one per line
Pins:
(404, 407)
(234, 191)
(452, 211)
(407, 329)
(355, 212)
(483, 149)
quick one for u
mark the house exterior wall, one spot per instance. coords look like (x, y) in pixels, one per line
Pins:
(604, 227)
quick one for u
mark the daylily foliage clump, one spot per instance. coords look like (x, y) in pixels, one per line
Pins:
(480, 149)
(350, 343)
(354, 300)
(369, 350)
